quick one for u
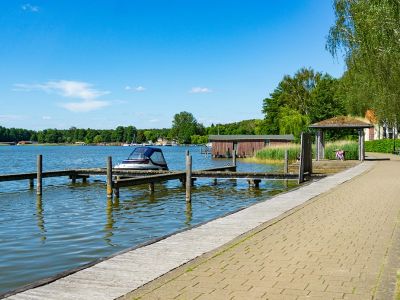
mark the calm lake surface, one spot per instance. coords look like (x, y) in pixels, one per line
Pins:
(71, 225)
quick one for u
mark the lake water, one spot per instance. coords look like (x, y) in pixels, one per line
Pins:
(74, 224)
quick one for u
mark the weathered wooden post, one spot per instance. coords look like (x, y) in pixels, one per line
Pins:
(39, 174)
(31, 184)
(305, 166)
(188, 177)
(254, 182)
(361, 150)
(109, 177)
(286, 163)
(234, 158)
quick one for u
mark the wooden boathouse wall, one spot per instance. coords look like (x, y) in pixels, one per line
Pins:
(248, 148)
(244, 145)
(222, 148)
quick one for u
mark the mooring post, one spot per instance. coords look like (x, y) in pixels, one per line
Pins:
(31, 184)
(286, 164)
(39, 174)
(234, 158)
(188, 177)
(109, 177)
(254, 182)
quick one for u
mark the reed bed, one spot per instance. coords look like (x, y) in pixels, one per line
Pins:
(349, 147)
(277, 153)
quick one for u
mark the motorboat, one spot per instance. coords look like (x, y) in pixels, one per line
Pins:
(144, 158)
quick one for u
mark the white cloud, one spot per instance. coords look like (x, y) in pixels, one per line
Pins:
(200, 90)
(140, 89)
(84, 106)
(137, 89)
(65, 88)
(46, 118)
(30, 7)
(70, 89)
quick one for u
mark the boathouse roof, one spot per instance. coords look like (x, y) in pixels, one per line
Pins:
(341, 122)
(282, 137)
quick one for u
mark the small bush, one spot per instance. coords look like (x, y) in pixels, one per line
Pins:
(381, 146)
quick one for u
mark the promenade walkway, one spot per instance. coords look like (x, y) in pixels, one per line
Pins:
(342, 244)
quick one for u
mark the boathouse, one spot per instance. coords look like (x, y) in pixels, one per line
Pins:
(244, 145)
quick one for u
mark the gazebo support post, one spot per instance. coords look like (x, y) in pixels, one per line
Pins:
(361, 149)
(320, 143)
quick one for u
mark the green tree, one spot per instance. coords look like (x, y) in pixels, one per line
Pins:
(118, 134)
(184, 125)
(292, 121)
(326, 101)
(368, 33)
(130, 134)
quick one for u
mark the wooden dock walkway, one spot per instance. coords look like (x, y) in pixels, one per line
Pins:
(125, 178)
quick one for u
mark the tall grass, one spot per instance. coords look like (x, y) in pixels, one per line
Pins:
(277, 153)
(350, 149)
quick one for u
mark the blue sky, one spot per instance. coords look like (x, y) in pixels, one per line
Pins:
(101, 64)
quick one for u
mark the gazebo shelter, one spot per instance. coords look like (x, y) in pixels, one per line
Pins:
(340, 122)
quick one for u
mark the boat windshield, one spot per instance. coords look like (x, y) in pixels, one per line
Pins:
(139, 153)
(142, 153)
(158, 158)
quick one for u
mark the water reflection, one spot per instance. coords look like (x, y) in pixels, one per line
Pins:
(40, 218)
(109, 226)
(188, 213)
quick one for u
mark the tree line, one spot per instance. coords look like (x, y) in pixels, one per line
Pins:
(185, 130)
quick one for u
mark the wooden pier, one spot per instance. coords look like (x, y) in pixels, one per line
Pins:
(117, 178)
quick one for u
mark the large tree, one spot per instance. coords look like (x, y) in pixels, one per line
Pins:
(368, 33)
(184, 125)
(305, 98)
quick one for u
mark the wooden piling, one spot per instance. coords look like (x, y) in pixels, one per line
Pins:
(234, 157)
(188, 177)
(31, 183)
(254, 182)
(39, 174)
(109, 177)
(286, 163)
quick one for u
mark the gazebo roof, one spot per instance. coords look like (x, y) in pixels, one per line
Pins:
(341, 122)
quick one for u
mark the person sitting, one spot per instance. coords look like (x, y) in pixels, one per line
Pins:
(340, 154)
